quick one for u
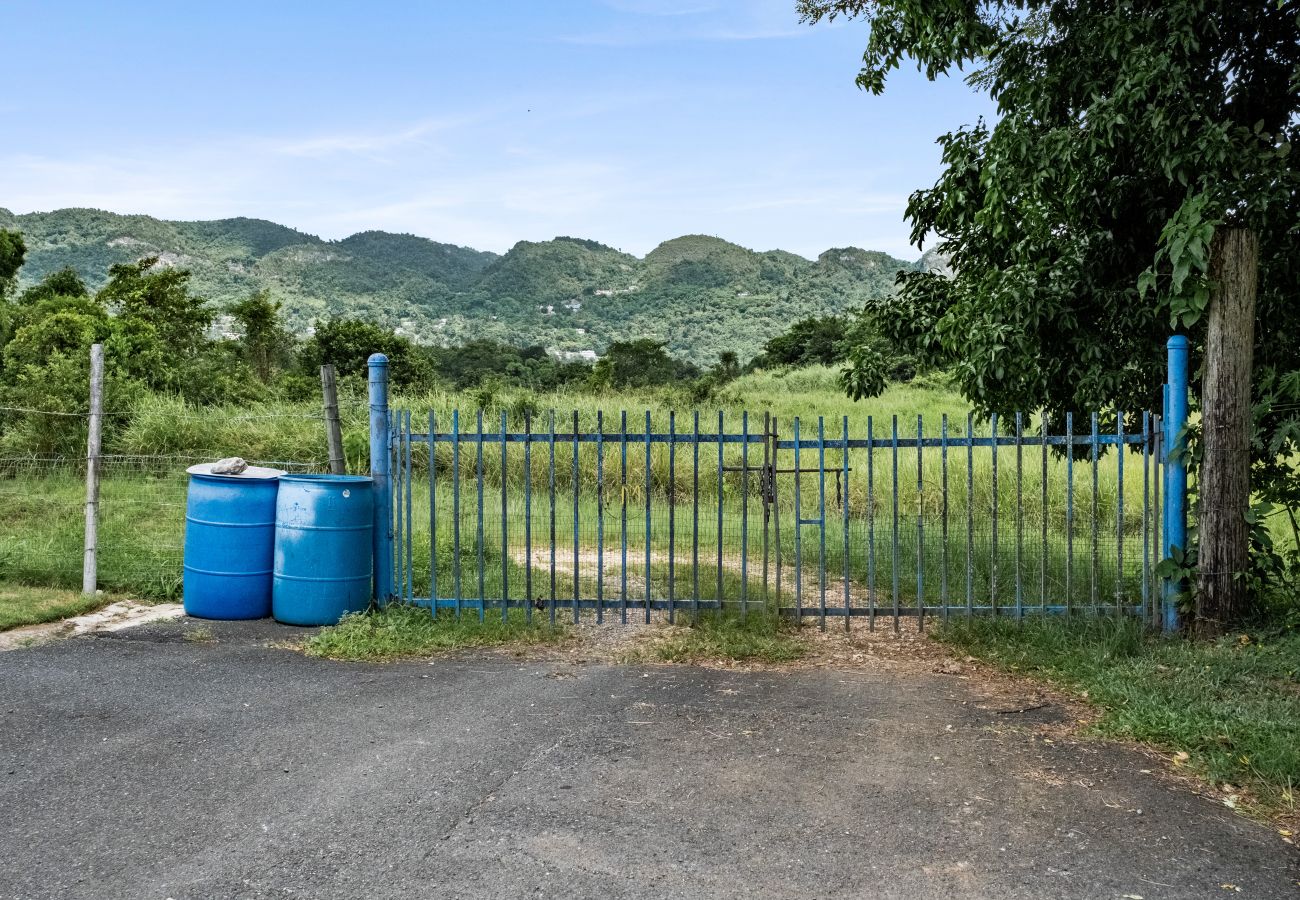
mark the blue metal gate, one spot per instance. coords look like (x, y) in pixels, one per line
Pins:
(626, 518)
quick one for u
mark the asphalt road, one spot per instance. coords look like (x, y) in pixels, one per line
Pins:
(143, 765)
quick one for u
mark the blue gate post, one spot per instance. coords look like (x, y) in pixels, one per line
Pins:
(380, 471)
(1175, 524)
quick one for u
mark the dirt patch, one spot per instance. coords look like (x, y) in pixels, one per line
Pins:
(114, 617)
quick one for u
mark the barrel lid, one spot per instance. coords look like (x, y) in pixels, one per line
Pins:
(252, 473)
(314, 478)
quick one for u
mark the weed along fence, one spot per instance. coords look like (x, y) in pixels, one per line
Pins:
(621, 515)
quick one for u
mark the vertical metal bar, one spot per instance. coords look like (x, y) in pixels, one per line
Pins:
(1042, 569)
(943, 527)
(551, 605)
(894, 533)
(600, 516)
(767, 499)
(399, 578)
(528, 516)
(672, 515)
(622, 463)
(380, 473)
(1157, 511)
(1119, 513)
(720, 485)
(970, 515)
(993, 539)
(798, 537)
(433, 518)
(410, 490)
(695, 518)
(871, 527)
(844, 525)
(406, 497)
(744, 514)
(821, 519)
(1092, 569)
(1020, 512)
(505, 524)
(1069, 512)
(920, 529)
(577, 531)
(648, 531)
(776, 510)
(455, 509)
(1146, 510)
(478, 483)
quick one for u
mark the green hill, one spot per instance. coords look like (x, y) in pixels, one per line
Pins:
(700, 294)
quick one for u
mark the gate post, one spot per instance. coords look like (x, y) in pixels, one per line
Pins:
(1175, 486)
(380, 471)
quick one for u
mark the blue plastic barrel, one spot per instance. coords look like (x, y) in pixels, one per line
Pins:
(323, 548)
(229, 539)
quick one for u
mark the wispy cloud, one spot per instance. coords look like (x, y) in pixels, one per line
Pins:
(650, 22)
(355, 142)
(837, 200)
(660, 7)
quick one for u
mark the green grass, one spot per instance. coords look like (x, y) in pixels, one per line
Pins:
(1232, 706)
(758, 637)
(141, 527)
(23, 605)
(400, 631)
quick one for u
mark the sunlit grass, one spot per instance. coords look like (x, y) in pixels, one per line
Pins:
(24, 605)
(401, 630)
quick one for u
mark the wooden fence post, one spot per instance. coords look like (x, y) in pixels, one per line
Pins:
(333, 429)
(89, 567)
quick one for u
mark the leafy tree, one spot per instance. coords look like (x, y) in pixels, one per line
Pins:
(475, 361)
(159, 297)
(1139, 177)
(12, 252)
(728, 367)
(808, 342)
(348, 344)
(45, 367)
(640, 363)
(63, 282)
(267, 345)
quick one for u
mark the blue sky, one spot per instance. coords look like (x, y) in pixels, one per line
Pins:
(626, 121)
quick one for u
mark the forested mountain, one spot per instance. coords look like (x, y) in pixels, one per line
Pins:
(701, 295)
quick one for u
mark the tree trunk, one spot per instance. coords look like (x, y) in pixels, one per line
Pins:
(1224, 490)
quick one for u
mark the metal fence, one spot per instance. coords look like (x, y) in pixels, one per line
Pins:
(622, 517)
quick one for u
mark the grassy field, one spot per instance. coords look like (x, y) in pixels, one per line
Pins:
(1228, 711)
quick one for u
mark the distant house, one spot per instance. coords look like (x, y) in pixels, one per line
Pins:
(224, 328)
(573, 355)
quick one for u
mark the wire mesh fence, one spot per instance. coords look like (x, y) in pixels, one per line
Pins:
(141, 520)
(141, 509)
